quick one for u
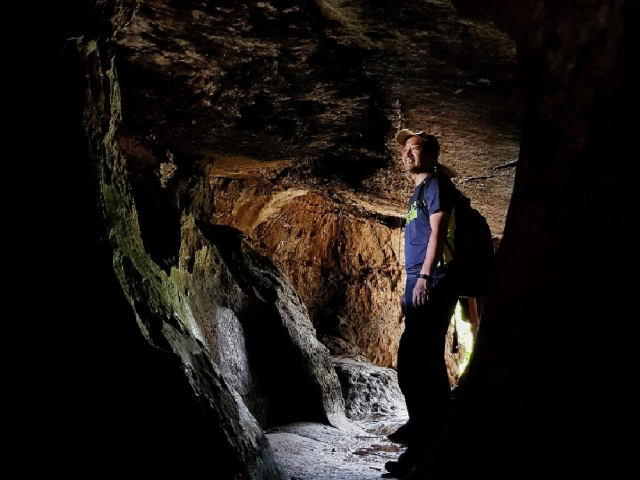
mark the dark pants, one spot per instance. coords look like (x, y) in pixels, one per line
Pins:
(422, 371)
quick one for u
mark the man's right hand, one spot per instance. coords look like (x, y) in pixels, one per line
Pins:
(421, 292)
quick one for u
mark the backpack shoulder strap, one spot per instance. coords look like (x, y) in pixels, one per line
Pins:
(422, 204)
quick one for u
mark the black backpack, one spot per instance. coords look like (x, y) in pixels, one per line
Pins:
(472, 248)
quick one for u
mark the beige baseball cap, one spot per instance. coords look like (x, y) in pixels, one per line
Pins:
(402, 135)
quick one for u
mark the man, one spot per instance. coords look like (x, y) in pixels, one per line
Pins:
(429, 301)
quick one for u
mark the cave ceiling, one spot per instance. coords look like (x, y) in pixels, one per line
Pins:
(319, 89)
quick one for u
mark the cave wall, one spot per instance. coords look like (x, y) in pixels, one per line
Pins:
(219, 303)
(342, 257)
(160, 303)
(556, 284)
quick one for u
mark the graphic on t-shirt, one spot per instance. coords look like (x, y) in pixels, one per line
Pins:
(412, 213)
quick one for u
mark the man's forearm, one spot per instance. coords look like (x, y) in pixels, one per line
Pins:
(437, 240)
(435, 248)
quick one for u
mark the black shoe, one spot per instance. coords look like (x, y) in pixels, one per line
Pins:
(397, 469)
(403, 466)
(401, 435)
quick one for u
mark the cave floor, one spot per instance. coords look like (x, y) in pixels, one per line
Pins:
(313, 451)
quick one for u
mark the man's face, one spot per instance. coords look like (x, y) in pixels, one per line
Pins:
(414, 158)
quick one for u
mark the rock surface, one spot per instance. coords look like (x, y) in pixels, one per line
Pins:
(311, 451)
(370, 392)
(375, 406)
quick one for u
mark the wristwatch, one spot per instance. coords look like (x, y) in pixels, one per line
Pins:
(425, 277)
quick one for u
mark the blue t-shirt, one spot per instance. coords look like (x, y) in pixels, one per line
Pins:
(438, 195)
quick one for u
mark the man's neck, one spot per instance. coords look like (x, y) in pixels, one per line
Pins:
(419, 177)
